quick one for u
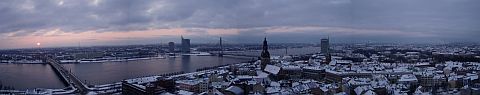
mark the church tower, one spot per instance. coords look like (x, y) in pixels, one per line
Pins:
(265, 56)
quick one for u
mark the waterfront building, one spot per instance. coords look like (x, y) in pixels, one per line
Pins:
(139, 89)
(196, 86)
(171, 47)
(185, 45)
(167, 83)
(88, 55)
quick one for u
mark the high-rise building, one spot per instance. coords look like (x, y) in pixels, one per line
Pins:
(325, 46)
(171, 47)
(265, 55)
(325, 49)
(185, 45)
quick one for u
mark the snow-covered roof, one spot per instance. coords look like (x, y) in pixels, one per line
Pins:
(369, 92)
(183, 92)
(359, 81)
(314, 68)
(291, 67)
(140, 86)
(408, 77)
(341, 93)
(142, 80)
(472, 76)
(361, 89)
(272, 69)
(214, 92)
(235, 90)
(303, 87)
(343, 61)
(261, 74)
(334, 62)
(271, 90)
(275, 84)
(189, 82)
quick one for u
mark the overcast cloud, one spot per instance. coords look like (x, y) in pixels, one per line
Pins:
(241, 21)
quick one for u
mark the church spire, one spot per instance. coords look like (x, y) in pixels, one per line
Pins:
(265, 55)
(265, 52)
(265, 44)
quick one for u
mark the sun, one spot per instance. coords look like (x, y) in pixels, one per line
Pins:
(38, 44)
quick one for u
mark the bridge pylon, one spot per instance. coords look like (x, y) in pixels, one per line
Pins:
(221, 48)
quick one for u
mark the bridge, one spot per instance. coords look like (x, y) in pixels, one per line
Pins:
(233, 54)
(68, 78)
(221, 53)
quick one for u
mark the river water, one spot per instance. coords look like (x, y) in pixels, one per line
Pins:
(29, 76)
(23, 76)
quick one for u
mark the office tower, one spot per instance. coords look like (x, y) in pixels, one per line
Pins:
(325, 46)
(171, 47)
(325, 49)
(185, 45)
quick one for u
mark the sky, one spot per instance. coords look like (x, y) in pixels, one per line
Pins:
(59, 23)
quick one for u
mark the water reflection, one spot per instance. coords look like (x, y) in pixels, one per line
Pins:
(186, 63)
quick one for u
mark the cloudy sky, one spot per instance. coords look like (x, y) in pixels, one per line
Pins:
(55, 23)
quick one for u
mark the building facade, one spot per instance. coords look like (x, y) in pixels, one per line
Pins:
(325, 46)
(185, 45)
(171, 47)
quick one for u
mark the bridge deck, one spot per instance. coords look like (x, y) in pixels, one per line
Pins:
(67, 76)
(234, 54)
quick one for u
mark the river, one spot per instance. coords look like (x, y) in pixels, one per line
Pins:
(29, 76)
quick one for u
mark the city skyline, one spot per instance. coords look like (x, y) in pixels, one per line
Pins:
(61, 23)
(240, 47)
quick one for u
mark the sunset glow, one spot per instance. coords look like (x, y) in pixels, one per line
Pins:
(66, 23)
(236, 47)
